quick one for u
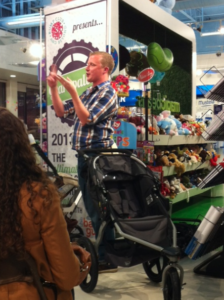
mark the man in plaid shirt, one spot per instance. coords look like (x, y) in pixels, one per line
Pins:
(93, 110)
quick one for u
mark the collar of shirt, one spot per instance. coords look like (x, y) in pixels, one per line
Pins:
(97, 87)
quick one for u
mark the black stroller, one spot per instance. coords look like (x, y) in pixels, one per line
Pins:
(126, 194)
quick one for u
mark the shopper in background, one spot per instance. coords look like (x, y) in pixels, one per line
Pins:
(31, 218)
(93, 112)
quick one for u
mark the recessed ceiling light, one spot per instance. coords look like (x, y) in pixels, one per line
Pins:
(35, 62)
(12, 75)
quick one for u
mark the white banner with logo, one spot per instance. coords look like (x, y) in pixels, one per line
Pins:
(73, 30)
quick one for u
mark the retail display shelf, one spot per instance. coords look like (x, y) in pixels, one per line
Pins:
(168, 140)
(169, 171)
(186, 195)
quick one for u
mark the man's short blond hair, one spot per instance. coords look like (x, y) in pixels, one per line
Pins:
(106, 60)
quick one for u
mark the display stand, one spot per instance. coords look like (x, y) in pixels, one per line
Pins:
(214, 265)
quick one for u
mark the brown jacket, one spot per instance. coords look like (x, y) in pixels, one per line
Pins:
(47, 240)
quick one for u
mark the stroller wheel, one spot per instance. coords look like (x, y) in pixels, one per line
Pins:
(172, 285)
(154, 268)
(89, 284)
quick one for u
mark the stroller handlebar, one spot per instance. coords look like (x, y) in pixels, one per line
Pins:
(84, 152)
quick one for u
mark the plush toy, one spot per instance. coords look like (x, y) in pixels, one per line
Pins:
(193, 157)
(186, 181)
(152, 130)
(166, 5)
(139, 123)
(123, 113)
(37, 121)
(120, 84)
(165, 191)
(172, 192)
(186, 125)
(161, 158)
(178, 185)
(44, 125)
(205, 155)
(197, 129)
(214, 158)
(165, 125)
(180, 130)
(44, 146)
(178, 166)
(153, 127)
(167, 116)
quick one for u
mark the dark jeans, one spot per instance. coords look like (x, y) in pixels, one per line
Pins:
(90, 208)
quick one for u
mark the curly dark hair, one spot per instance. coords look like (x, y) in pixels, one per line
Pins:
(17, 167)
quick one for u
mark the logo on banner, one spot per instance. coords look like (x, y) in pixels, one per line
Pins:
(57, 30)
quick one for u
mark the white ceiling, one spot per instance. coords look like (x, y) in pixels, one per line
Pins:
(15, 60)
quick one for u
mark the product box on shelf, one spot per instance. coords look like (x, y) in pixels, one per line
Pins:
(148, 152)
(145, 152)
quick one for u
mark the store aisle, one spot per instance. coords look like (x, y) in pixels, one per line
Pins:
(132, 283)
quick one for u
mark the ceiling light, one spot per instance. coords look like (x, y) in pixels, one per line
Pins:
(36, 50)
(26, 20)
(221, 30)
(211, 33)
(12, 76)
(199, 72)
(35, 62)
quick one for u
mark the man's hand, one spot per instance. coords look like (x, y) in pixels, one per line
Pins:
(68, 84)
(52, 78)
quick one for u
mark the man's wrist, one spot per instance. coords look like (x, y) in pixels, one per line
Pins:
(53, 88)
(74, 94)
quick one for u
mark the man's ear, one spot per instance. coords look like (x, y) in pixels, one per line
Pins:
(106, 70)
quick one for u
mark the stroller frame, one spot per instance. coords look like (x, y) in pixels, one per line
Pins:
(172, 253)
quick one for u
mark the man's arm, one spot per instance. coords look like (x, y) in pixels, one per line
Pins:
(80, 109)
(57, 103)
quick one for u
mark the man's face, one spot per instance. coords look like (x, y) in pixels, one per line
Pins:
(94, 70)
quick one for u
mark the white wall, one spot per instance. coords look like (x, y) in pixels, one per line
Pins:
(204, 63)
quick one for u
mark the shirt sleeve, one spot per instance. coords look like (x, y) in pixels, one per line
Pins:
(104, 107)
(68, 109)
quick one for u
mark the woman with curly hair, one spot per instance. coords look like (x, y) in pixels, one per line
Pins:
(31, 219)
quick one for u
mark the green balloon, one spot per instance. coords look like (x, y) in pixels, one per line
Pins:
(159, 59)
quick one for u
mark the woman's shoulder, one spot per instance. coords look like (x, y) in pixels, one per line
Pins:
(38, 195)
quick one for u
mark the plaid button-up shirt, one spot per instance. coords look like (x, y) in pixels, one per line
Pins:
(102, 104)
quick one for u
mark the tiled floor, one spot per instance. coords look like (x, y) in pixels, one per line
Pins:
(132, 283)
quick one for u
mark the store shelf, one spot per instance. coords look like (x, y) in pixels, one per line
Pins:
(168, 171)
(186, 195)
(168, 140)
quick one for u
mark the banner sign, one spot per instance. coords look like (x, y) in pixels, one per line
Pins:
(71, 34)
(159, 104)
(125, 135)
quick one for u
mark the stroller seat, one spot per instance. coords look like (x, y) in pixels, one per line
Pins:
(132, 216)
